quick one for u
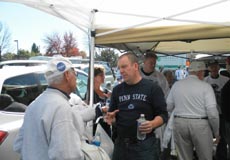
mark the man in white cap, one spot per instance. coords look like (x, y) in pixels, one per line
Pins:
(52, 129)
(196, 117)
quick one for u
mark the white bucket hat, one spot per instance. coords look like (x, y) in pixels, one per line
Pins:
(57, 66)
(197, 66)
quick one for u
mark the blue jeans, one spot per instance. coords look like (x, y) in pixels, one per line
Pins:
(136, 150)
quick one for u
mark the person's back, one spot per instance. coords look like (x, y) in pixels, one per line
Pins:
(179, 73)
(196, 117)
(190, 94)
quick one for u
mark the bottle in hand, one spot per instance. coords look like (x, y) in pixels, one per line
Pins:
(140, 136)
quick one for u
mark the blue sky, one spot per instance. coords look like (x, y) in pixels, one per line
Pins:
(28, 26)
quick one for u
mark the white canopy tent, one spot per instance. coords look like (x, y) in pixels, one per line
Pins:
(126, 24)
(166, 26)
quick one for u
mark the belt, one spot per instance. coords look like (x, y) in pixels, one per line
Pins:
(134, 140)
(191, 117)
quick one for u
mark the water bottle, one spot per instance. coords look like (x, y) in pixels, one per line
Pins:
(140, 136)
(105, 107)
(97, 140)
(107, 102)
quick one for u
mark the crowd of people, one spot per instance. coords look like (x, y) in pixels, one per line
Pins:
(192, 111)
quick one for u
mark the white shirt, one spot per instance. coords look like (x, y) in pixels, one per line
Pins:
(191, 97)
(159, 78)
(217, 84)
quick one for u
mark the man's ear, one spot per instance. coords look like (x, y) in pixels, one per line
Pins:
(136, 66)
(67, 75)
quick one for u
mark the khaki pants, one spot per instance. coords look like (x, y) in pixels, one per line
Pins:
(190, 134)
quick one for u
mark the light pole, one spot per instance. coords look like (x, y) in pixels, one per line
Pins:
(17, 47)
(0, 53)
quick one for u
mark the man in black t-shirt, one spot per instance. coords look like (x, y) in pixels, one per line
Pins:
(129, 99)
(225, 107)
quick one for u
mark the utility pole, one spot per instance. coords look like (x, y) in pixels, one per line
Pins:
(0, 53)
(17, 48)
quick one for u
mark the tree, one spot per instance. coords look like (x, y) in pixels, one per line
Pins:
(23, 54)
(66, 45)
(70, 45)
(53, 42)
(35, 49)
(5, 38)
(8, 56)
(107, 55)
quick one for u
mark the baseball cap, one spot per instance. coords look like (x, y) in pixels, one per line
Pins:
(57, 66)
(197, 66)
(212, 62)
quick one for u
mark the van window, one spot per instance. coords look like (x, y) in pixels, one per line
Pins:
(24, 88)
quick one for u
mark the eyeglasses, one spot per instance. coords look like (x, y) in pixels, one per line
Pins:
(73, 71)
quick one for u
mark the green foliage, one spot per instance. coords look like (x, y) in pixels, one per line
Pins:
(35, 49)
(107, 55)
(9, 56)
(23, 54)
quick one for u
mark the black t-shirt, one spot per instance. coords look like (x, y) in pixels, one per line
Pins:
(144, 97)
(105, 126)
(225, 101)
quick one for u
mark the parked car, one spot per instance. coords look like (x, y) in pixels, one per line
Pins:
(84, 65)
(22, 63)
(24, 84)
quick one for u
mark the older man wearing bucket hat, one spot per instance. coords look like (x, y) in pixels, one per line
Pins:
(52, 129)
(196, 117)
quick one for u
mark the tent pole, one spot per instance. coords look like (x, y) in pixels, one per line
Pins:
(92, 50)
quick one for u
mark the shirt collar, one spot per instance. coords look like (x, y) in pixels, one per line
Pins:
(60, 91)
(147, 74)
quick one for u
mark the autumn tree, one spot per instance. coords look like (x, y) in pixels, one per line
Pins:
(5, 38)
(53, 44)
(70, 45)
(65, 45)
